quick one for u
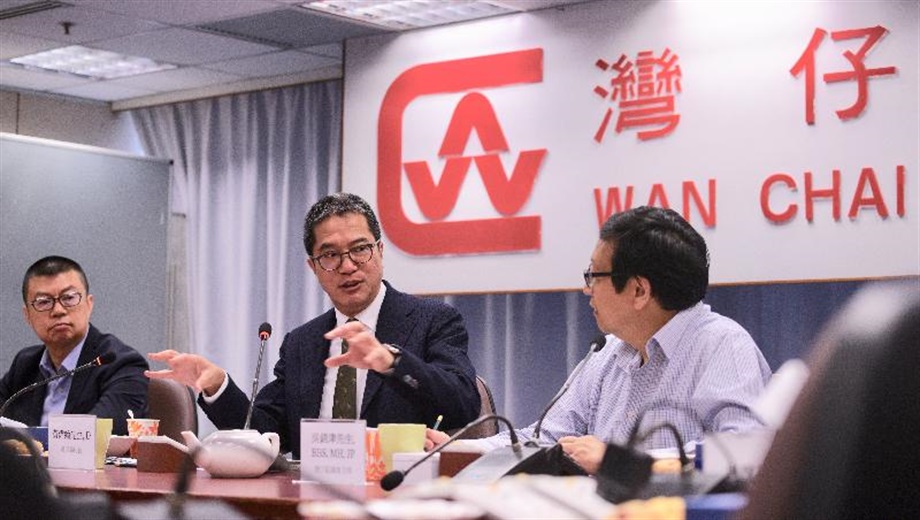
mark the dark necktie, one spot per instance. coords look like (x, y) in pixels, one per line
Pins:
(344, 401)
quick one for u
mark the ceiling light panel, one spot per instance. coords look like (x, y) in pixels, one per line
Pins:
(410, 14)
(92, 63)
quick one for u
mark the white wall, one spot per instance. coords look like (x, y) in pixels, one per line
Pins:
(68, 119)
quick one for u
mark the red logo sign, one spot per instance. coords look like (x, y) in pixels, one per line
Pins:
(437, 199)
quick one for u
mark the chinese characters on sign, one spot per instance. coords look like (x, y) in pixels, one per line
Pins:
(72, 441)
(332, 451)
(645, 93)
(860, 72)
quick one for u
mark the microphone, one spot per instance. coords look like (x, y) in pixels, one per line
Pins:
(596, 345)
(103, 359)
(265, 332)
(393, 479)
(530, 458)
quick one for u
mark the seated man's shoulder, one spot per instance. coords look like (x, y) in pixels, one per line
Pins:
(25, 361)
(318, 325)
(434, 305)
(124, 354)
(426, 304)
(29, 352)
(718, 330)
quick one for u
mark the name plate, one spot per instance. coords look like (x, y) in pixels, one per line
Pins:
(332, 451)
(72, 441)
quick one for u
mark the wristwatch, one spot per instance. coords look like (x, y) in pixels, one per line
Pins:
(397, 354)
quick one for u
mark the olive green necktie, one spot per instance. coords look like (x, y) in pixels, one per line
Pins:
(344, 401)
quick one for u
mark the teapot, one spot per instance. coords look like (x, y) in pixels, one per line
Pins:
(234, 453)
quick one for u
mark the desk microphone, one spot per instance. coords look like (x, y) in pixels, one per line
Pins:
(391, 480)
(104, 359)
(265, 332)
(596, 345)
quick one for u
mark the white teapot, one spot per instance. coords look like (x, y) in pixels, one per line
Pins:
(234, 453)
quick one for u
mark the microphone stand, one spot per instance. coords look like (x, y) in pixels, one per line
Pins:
(263, 339)
(176, 501)
(100, 360)
(394, 478)
(596, 345)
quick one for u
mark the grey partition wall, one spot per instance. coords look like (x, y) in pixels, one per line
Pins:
(105, 209)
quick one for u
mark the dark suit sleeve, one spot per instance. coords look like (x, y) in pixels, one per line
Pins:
(437, 373)
(8, 381)
(119, 386)
(23, 372)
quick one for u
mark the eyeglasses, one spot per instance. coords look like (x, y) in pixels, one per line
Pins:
(591, 275)
(359, 255)
(46, 303)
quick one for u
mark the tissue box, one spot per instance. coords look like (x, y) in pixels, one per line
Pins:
(159, 454)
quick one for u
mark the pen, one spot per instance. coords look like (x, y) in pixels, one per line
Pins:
(437, 422)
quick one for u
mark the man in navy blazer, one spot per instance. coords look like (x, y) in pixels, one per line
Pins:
(406, 356)
(57, 305)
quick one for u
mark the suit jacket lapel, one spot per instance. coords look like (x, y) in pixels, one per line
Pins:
(33, 402)
(81, 379)
(393, 326)
(313, 371)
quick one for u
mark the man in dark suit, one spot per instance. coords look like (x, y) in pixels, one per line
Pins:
(57, 305)
(378, 355)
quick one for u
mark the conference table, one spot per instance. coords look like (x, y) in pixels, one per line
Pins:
(273, 495)
(277, 495)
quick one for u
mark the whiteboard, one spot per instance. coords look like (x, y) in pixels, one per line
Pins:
(105, 209)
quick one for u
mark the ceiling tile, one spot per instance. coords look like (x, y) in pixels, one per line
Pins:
(183, 47)
(274, 64)
(13, 76)
(181, 12)
(88, 25)
(14, 45)
(293, 27)
(220, 45)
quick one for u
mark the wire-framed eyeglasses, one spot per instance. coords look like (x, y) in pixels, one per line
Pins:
(359, 255)
(46, 303)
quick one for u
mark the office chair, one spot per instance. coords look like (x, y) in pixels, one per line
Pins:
(487, 406)
(849, 447)
(173, 404)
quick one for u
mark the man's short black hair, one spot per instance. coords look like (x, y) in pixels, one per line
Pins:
(659, 245)
(337, 204)
(51, 266)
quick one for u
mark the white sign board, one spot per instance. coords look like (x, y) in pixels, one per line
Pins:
(785, 132)
(332, 451)
(72, 441)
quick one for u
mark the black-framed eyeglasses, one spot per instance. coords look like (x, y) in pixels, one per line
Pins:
(359, 255)
(591, 275)
(46, 303)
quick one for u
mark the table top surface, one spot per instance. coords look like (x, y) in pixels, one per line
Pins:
(282, 487)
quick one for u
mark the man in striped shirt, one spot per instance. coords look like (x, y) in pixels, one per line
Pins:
(668, 357)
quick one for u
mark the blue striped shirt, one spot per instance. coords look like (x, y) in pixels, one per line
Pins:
(703, 374)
